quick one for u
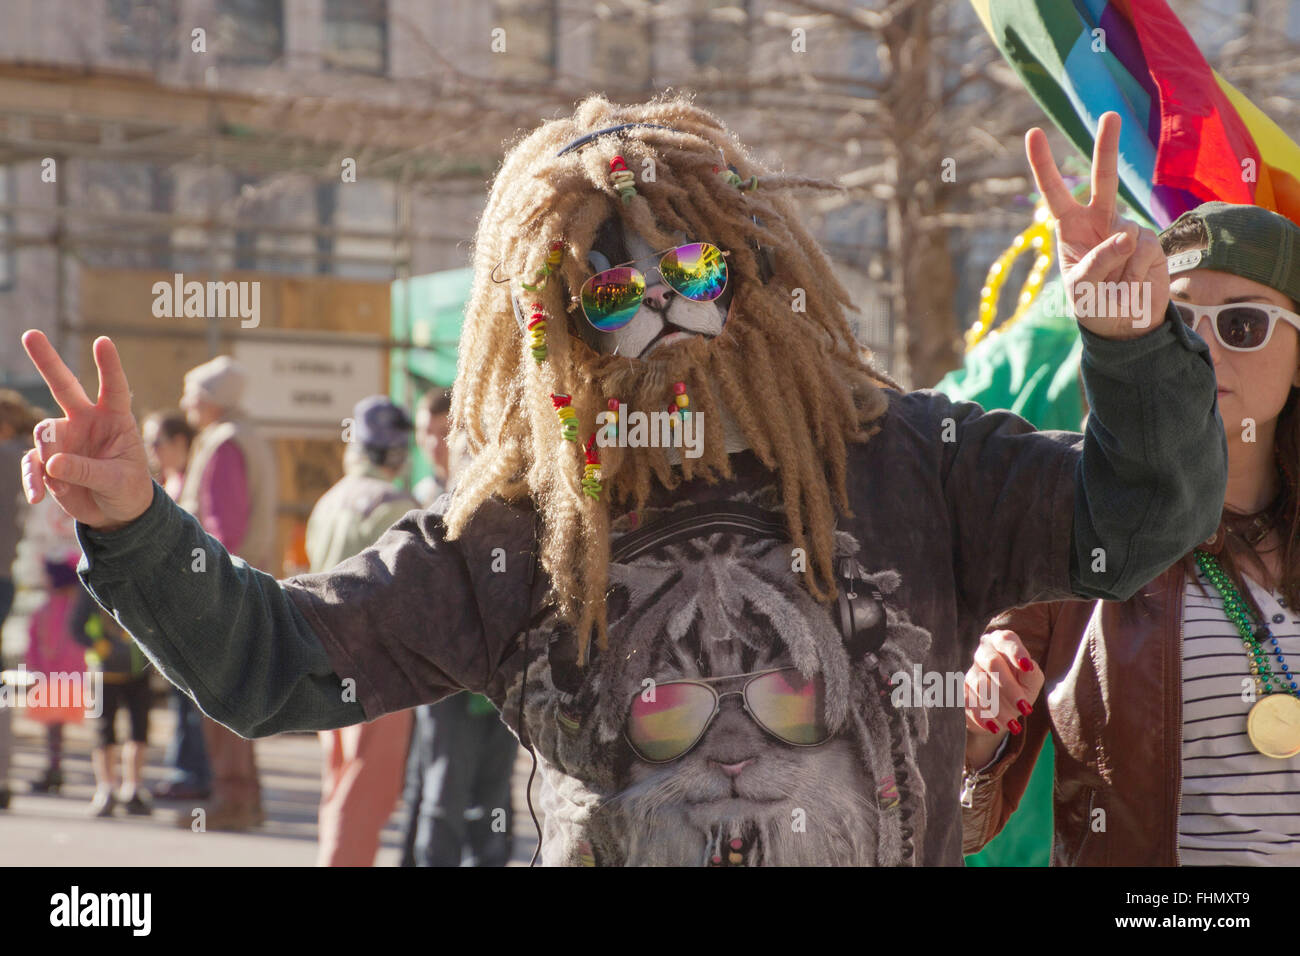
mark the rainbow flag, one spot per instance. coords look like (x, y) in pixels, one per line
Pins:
(1189, 137)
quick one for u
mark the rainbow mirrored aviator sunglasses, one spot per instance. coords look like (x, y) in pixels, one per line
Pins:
(696, 271)
(1239, 326)
(783, 702)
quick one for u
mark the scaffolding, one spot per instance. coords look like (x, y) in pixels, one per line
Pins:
(66, 114)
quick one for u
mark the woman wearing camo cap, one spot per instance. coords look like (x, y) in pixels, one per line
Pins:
(1177, 719)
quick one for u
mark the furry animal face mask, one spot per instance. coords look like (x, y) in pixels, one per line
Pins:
(664, 317)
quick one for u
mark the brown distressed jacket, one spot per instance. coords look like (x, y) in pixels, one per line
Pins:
(1113, 700)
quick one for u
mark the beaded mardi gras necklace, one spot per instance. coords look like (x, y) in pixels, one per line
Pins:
(1273, 723)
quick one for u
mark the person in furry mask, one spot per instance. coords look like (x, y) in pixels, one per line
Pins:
(717, 572)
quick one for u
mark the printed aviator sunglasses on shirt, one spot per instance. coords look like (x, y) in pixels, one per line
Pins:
(667, 720)
(1238, 326)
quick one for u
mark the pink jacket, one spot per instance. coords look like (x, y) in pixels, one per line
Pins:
(50, 647)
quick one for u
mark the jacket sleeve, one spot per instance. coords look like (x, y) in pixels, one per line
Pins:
(1040, 516)
(1155, 459)
(262, 656)
(998, 788)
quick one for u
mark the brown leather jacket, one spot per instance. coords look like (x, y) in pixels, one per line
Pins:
(1113, 700)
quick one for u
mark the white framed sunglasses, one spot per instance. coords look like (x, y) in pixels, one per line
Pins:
(1239, 326)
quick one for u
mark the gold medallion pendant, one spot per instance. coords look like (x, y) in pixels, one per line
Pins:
(1274, 726)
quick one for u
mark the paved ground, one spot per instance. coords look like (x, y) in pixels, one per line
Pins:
(40, 830)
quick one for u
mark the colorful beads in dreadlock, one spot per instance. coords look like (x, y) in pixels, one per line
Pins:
(681, 406)
(611, 420)
(568, 417)
(550, 265)
(591, 477)
(537, 333)
(732, 178)
(622, 178)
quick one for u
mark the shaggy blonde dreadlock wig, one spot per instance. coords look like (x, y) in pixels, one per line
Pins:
(796, 383)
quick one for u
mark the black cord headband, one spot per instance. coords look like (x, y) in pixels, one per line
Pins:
(579, 143)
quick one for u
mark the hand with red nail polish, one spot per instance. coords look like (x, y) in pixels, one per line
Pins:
(1001, 688)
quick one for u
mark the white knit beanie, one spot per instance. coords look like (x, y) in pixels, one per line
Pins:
(220, 381)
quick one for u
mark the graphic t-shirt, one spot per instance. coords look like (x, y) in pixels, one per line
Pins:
(1239, 807)
(705, 585)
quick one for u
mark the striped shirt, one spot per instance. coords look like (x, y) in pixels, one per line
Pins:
(1239, 807)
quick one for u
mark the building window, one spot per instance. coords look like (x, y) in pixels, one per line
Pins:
(1289, 84)
(326, 205)
(1213, 23)
(529, 36)
(6, 230)
(142, 30)
(245, 239)
(856, 233)
(128, 187)
(620, 56)
(864, 65)
(162, 188)
(720, 39)
(356, 36)
(249, 32)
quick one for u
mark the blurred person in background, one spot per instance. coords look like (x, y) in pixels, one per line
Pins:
(363, 763)
(458, 770)
(52, 650)
(167, 439)
(168, 436)
(112, 652)
(17, 419)
(431, 428)
(229, 486)
(458, 785)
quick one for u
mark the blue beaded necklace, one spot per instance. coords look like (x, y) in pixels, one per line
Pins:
(1257, 638)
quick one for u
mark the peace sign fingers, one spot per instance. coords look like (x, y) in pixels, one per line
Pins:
(65, 388)
(93, 460)
(1096, 248)
(1105, 169)
(1105, 175)
(114, 392)
(1060, 202)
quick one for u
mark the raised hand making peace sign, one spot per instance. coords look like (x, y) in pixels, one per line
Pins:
(92, 460)
(1116, 275)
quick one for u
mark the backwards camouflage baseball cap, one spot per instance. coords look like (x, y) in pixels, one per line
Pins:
(1248, 241)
